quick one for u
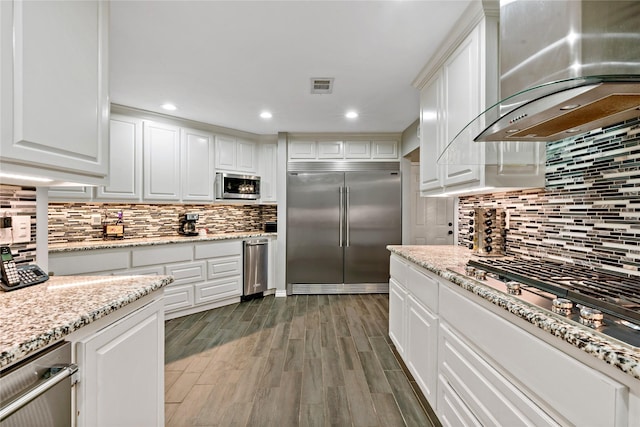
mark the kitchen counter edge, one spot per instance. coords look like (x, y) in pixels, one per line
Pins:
(152, 241)
(43, 314)
(438, 259)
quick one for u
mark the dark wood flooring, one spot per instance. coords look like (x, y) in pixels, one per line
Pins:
(317, 360)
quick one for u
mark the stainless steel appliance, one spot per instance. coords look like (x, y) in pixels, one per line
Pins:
(234, 186)
(605, 302)
(256, 266)
(338, 226)
(37, 392)
(566, 67)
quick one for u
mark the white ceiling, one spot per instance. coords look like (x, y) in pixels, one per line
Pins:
(223, 62)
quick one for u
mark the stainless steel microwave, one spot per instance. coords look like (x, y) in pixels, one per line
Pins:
(234, 186)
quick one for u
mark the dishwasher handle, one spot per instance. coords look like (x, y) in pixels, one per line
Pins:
(58, 374)
(255, 242)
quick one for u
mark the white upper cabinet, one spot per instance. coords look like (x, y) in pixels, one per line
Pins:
(197, 171)
(236, 155)
(268, 171)
(54, 105)
(457, 86)
(125, 165)
(161, 161)
(304, 150)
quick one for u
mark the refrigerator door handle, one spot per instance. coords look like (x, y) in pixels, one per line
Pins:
(341, 216)
(346, 218)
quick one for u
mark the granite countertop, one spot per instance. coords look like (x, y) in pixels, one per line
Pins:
(39, 315)
(439, 259)
(151, 241)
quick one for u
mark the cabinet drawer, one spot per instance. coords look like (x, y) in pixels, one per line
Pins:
(161, 255)
(223, 267)
(187, 273)
(398, 269)
(178, 297)
(218, 249)
(89, 263)
(529, 361)
(423, 287)
(218, 290)
(489, 395)
(452, 412)
(155, 270)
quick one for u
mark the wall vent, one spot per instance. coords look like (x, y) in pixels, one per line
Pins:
(321, 85)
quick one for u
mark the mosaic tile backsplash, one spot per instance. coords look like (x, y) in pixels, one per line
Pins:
(16, 200)
(589, 212)
(71, 222)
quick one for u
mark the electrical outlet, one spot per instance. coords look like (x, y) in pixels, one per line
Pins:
(95, 219)
(6, 236)
(21, 228)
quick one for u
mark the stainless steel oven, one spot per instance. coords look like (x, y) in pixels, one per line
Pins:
(37, 392)
(234, 186)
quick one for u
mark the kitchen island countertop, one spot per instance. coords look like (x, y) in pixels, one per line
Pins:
(439, 259)
(39, 315)
(152, 241)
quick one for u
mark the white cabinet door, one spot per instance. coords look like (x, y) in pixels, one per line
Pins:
(122, 372)
(397, 316)
(384, 150)
(422, 347)
(197, 171)
(225, 152)
(461, 81)
(246, 156)
(302, 150)
(268, 172)
(357, 149)
(125, 164)
(54, 107)
(431, 134)
(161, 161)
(64, 193)
(330, 150)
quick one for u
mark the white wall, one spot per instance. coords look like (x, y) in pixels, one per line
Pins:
(410, 140)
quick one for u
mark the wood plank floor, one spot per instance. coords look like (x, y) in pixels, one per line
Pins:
(316, 360)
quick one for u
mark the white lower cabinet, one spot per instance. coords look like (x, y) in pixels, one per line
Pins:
(121, 370)
(422, 354)
(397, 316)
(206, 274)
(476, 366)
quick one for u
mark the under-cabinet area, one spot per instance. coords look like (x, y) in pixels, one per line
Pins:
(207, 272)
(479, 360)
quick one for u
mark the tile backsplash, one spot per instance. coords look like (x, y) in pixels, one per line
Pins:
(71, 222)
(589, 211)
(20, 201)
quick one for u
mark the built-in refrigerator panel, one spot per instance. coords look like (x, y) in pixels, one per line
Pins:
(373, 221)
(314, 253)
(338, 227)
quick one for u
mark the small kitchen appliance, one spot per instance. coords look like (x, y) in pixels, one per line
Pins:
(233, 186)
(188, 224)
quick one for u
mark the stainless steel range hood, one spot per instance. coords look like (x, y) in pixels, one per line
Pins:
(582, 59)
(566, 68)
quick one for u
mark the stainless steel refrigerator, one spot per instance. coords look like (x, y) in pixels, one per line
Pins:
(338, 227)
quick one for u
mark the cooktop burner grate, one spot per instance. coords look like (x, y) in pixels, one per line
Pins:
(616, 295)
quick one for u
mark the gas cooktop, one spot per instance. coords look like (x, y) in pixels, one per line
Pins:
(605, 302)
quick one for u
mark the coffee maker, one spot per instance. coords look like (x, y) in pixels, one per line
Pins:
(188, 224)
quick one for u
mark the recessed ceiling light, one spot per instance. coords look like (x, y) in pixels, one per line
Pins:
(266, 115)
(170, 107)
(351, 115)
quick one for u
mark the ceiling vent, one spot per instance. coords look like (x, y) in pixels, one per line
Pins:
(321, 85)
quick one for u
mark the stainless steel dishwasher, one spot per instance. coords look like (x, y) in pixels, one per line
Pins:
(256, 261)
(38, 391)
